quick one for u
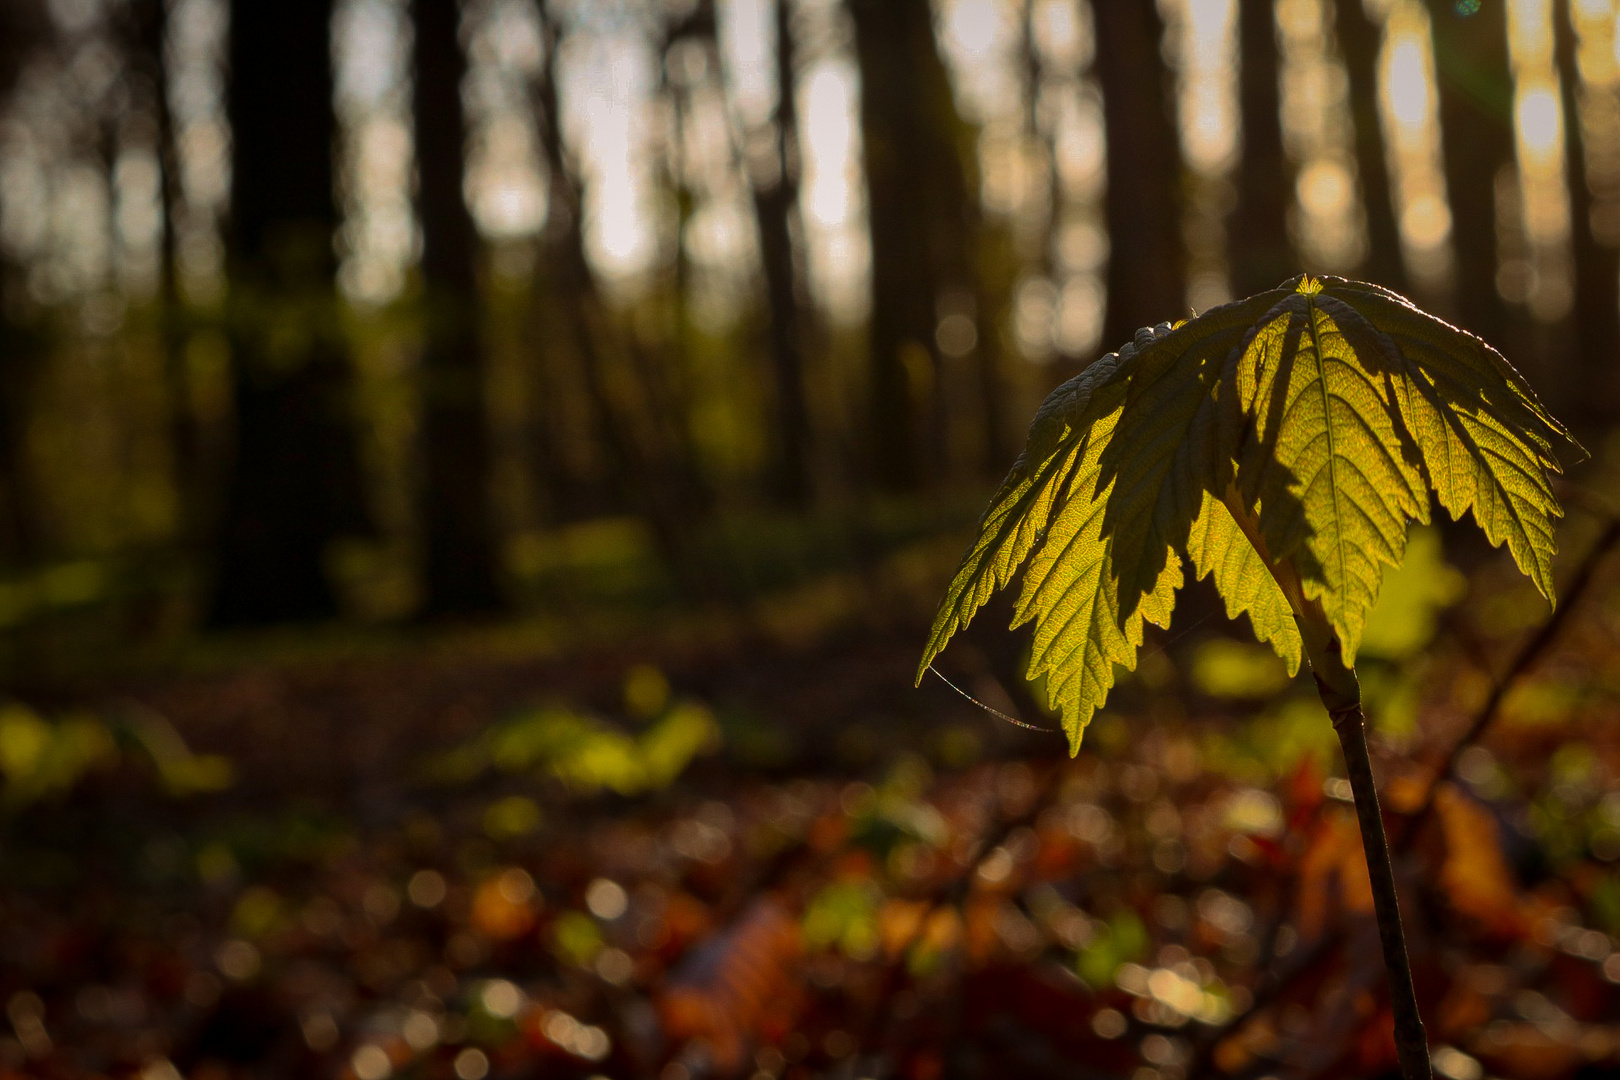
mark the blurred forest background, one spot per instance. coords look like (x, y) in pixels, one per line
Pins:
(474, 477)
(497, 308)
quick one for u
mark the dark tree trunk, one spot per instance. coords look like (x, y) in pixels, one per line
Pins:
(294, 485)
(901, 329)
(1597, 264)
(458, 535)
(776, 204)
(923, 213)
(1261, 254)
(21, 27)
(1360, 38)
(994, 271)
(662, 378)
(21, 540)
(1476, 132)
(1147, 267)
(150, 42)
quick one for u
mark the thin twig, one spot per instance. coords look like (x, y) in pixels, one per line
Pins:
(1266, 990)
(952, 893)
(1528, 655)
(1265, 994)
(1341, 692)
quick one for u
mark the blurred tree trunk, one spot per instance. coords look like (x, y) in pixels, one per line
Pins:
(150, 46)
(995, 269)
(663, 377)
(1597, 261)
(1360, 39)
(901, 332)
(1147, 267)
(663, 500)
(566, 272)
(21, 539)
(922, 205)
(1261, 254)
(294, 485)
(461, 559)
(776, 209)
(1476, 133)
(21, 25)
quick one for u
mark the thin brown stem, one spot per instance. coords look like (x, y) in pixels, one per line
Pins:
(1341, 692)
(1530, 653)
(1410, 1045)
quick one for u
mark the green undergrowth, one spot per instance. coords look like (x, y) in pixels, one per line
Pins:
(583, 583)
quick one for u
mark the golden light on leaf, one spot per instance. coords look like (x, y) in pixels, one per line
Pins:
(1281, 444)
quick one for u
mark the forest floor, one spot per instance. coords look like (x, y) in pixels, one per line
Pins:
(715, 845)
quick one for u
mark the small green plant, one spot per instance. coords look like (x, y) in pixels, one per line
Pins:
(1282, 445)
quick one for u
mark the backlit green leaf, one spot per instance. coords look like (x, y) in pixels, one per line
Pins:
(1016, 521)
(1281, 444)
(1050, 505)
(1484, 438)
(1217, 546)
(1322, 454)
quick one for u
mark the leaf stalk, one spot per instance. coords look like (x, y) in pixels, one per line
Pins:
(1341, 694)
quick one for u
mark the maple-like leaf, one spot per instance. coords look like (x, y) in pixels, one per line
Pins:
(1280, 444)
(1050, 504)
(1323, 453)
(1216, 545)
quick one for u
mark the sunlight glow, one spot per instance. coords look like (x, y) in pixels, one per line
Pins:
(829, 112)
(1539, 120)
(605, 81)
(377, 155)
(979, 40)
(1059, 35)
(137, 211)
(747, 31)
(1018, 72)
(1081, 147)
(1329, 227)
(1426, 221)
(1080, 313)
(1600, 113)
(1203, 34)
(197, 97)
(839, 252)
(1410, 101)
(1325, 188)
(1208, 98)
(1410, 115)
(505, 185)
(1530, 32)
(976, 27)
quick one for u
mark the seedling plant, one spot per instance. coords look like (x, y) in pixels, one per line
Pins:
(1280, 445)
